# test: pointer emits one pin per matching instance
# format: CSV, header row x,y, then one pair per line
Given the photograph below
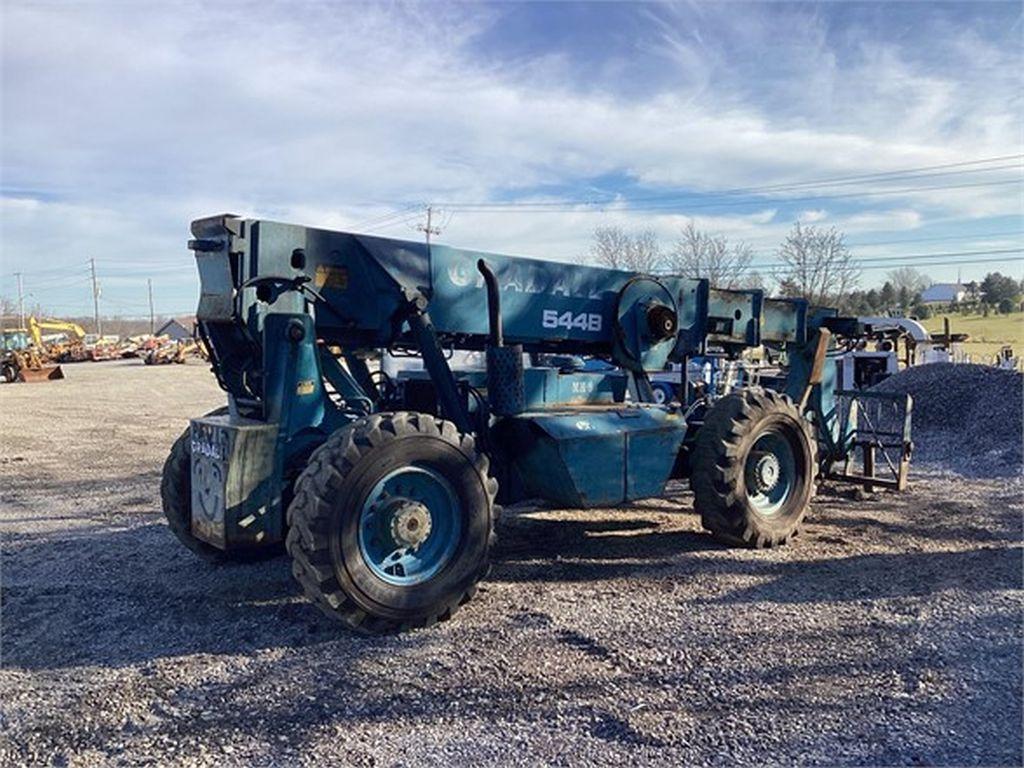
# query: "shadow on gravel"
x,y
113,597
45,484
537,549
120,596
532,549
1003,527
880,576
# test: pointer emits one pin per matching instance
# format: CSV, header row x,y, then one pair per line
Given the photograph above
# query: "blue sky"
x,y
122,122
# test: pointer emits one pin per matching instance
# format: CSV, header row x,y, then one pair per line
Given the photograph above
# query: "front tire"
x,y
754,468
392,522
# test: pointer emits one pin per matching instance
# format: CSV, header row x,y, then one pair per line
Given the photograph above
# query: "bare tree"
x,y
638,252
699,254
909,278
609,246
817,265
753,279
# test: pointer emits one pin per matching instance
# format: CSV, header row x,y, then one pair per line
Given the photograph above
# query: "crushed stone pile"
x,y
968,418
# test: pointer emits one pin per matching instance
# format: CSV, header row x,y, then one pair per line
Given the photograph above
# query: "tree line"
x,y
812,262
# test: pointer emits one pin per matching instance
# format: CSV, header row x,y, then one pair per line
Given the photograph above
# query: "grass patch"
x,y
987,334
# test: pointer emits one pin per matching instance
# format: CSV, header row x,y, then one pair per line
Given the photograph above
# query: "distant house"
x,y
175,330
943,293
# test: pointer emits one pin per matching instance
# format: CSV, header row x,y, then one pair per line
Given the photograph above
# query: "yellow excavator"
x,y
69,350
71,330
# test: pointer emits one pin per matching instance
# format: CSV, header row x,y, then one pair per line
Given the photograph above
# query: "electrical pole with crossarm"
x,y
428,229
152,316
95,298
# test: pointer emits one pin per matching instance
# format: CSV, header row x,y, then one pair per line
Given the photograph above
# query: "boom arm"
x,y
368,293
36,327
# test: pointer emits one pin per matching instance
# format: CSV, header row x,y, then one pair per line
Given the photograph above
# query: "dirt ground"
x,y
890,632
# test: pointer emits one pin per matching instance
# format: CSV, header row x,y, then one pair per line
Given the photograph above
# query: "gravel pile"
x,y
967,418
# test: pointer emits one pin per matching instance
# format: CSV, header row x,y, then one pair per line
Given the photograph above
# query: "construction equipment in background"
x,y
14,338
919,346
36,328
171,351
27,365
29,357
65,345
1006,359
877,350
134,346
385,487
100,348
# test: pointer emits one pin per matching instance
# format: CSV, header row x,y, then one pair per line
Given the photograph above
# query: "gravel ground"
x,y
888,633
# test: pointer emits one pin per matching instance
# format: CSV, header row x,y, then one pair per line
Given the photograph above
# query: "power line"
x,y
883,176
54,285
948,254
378,220
859,244
920,173
38,271
760,191
914,260
936,263
623,205
975,236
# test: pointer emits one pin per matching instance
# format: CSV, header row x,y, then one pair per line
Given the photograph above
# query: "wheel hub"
x,y
765,472
410,523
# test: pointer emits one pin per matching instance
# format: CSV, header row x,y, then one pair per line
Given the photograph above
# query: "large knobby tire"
x,y
176,496
750,438
354,501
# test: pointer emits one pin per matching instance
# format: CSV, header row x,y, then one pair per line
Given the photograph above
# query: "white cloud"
x,y
329,115
881,221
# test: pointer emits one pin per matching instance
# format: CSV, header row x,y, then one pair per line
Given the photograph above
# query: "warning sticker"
x,y
331,277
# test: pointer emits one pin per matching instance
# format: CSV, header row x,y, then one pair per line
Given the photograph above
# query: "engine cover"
x,y
592,456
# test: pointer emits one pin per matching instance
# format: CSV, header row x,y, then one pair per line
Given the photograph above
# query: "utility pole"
x,y
428,229
152,317
21,301
95,298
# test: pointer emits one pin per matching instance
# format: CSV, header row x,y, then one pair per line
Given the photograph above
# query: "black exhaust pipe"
x,y
493,304
506,393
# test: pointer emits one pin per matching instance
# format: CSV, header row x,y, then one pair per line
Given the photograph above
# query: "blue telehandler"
x,y
385,489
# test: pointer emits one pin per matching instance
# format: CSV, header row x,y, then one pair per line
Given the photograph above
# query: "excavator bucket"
x,y
46,373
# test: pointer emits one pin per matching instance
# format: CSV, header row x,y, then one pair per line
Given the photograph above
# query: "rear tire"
x,y
754,468
358,491
176,496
